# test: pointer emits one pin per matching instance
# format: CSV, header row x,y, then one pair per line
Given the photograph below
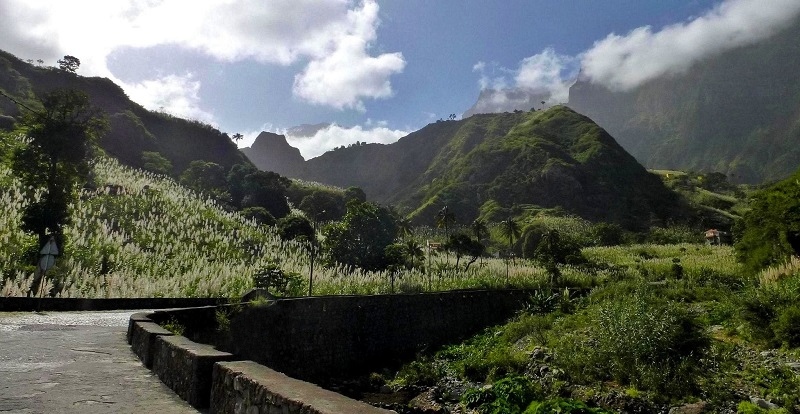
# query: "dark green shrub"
x,y
787,326
770,232
260,215
509,395
562,405
276,281
608,234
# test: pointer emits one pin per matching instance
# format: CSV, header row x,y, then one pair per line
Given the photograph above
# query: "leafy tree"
x,y
480,230
204,176
354,193
62,134
301,229
266,189
360,239
260,215
155,162
769,233
69,63
235,180
463,245
294,228
323,205
553,250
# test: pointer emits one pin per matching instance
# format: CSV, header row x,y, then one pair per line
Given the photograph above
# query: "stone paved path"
x,y
76,362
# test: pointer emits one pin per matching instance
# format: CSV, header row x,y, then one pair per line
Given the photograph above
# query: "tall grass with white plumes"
x,y
143,235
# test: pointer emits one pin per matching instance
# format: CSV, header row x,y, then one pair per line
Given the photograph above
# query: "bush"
x,y
509,395
769,233
260,215
787,326
641,340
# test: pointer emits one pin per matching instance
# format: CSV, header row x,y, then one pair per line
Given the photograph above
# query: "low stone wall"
x,y
319,339
313,339
186,366
143,339
24,304
248,387
136,317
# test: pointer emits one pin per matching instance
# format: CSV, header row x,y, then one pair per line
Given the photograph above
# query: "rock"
x,y
762,403
385,389
768,354
426,403
694,408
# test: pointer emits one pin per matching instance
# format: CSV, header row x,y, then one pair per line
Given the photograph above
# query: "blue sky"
x,y
377,69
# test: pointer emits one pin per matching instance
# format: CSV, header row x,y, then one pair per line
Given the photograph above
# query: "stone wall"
x,y
247,387
185,366
321,339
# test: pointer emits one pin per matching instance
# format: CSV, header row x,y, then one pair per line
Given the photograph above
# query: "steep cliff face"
x,y
737,113
271,152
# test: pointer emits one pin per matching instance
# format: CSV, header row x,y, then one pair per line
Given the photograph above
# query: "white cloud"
x,y
331,36
624,62
547,72
493,80
347,73
336,136
173,94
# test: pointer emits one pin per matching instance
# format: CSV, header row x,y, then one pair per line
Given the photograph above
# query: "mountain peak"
x,y
272,152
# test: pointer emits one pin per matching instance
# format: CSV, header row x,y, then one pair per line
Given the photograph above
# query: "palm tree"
x,y
480,231
510,229
414,251
445,218
404,227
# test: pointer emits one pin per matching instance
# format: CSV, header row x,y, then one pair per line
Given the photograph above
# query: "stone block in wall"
x,y
248,387
136,317
143,339
186,367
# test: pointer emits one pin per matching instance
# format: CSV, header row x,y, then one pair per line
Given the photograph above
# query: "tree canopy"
x,y
62,135
361,237
770,232
69,63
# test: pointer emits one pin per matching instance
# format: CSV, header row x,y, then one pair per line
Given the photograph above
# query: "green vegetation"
x,y
630,310
769,233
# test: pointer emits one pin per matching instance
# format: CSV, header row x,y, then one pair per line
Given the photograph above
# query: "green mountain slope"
x,y
737,113
553,158
133,129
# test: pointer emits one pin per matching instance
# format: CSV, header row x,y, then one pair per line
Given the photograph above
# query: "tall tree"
x,y
360,239
69,63
480,230
509,228
414,251
404,227
445,219
62,135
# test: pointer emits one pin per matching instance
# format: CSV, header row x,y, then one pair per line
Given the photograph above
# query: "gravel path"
x,y
76,362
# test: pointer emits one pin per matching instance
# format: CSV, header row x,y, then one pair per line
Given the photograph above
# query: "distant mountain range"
x,y
737,113
133,129
485,165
